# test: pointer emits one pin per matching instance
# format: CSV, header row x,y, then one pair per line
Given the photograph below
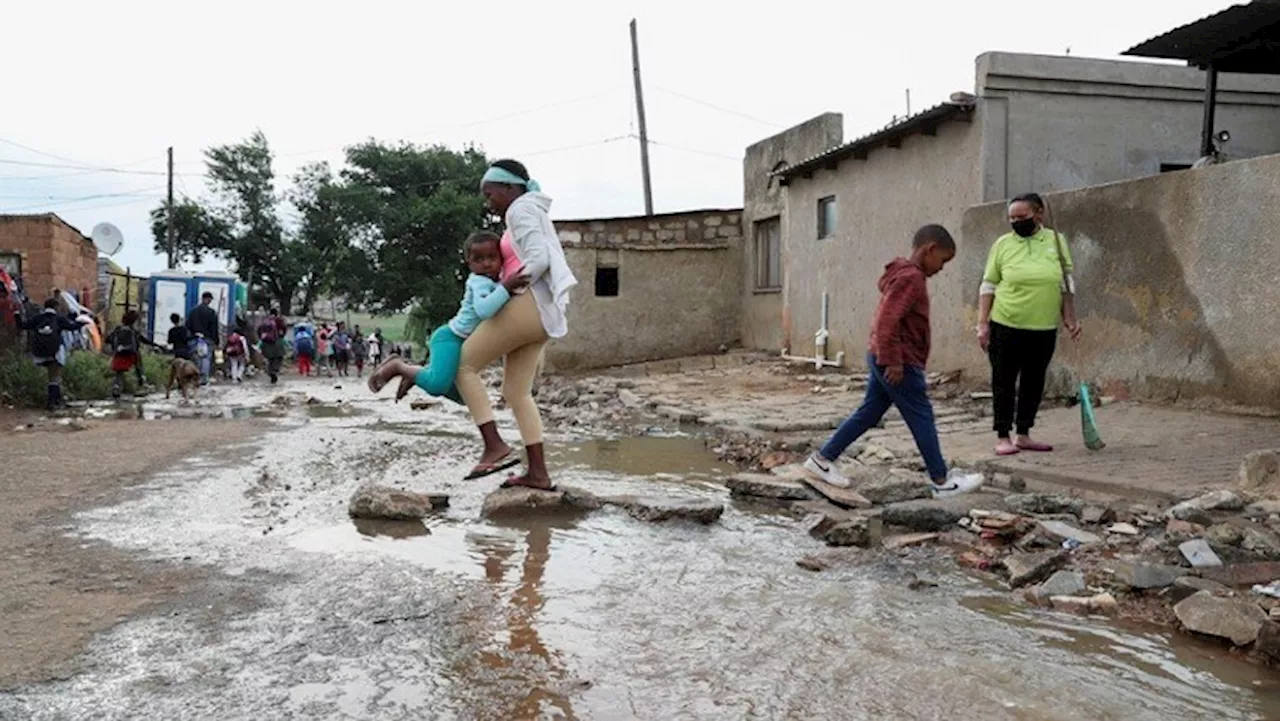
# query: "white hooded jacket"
x,y
538,247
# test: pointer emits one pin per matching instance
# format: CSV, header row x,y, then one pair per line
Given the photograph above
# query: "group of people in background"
x,y
334,350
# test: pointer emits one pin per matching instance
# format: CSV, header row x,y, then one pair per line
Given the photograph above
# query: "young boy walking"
x,y
897,356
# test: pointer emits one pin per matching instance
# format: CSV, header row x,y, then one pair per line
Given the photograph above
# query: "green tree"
x,y
409,209
322,245
243,183
196,231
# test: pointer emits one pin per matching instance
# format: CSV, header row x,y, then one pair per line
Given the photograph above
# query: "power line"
x,y
62,206
122,171
579,146
708,153
144,191
722,109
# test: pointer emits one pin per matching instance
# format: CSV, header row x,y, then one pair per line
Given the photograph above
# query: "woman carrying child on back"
x,y
483,298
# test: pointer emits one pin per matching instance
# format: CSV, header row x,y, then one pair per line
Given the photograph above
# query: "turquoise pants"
x,y
436,377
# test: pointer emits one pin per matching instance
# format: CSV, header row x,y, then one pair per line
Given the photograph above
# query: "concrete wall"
x,y
679,288
881,202
1055,123
54,255
1177,279
763,322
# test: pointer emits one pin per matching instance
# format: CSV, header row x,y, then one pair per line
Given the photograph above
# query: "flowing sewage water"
x,y
583,616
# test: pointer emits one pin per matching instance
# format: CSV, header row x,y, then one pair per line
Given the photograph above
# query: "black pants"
x,y
1019,360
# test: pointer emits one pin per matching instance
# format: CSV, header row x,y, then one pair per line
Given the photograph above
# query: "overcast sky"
x,y
112,84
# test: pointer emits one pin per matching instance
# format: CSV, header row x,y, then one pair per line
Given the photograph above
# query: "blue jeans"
x,y
436,378
912,399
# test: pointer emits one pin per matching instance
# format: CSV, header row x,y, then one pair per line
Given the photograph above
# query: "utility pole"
x,y
908,102
168,233
644,130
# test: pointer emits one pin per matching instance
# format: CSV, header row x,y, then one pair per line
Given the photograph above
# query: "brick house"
x,y
48,253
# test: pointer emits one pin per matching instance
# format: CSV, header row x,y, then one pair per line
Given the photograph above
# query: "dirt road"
x,y
56,591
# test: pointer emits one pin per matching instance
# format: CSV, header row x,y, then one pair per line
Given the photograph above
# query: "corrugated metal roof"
x,y
1240,39
924,122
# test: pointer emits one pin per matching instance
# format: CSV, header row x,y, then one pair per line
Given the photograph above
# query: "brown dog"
x,y
185,374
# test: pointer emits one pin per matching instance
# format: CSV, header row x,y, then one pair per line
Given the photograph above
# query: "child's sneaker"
x,y
958,483
824,470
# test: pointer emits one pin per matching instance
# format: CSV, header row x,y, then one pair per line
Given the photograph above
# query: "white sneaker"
x,y
958,483
825,471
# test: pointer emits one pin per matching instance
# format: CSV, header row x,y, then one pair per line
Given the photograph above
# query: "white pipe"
x,y
819,359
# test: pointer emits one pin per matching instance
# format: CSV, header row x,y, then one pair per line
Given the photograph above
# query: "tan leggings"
x,y
516,332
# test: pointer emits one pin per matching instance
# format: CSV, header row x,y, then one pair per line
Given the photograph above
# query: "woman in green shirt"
x,y
1027,291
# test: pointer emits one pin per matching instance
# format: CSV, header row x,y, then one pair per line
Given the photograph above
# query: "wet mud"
x,y
295,611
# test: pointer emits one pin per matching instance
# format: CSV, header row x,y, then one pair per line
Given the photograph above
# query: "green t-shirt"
x,y
1028,280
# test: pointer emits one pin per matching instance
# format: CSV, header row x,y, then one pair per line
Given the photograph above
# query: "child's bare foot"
x,y
406,383
385,372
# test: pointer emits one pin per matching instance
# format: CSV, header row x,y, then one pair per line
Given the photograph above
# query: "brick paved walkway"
x,y
1153,453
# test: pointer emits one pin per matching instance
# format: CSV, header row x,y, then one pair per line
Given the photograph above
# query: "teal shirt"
x,y
482,300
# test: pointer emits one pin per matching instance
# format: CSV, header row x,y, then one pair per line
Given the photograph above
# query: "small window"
x,y
606,282
768,254
826,217
1174,167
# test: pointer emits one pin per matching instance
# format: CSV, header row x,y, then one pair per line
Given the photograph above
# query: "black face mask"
x,y
1025,227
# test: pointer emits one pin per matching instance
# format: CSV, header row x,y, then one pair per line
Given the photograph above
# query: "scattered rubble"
x,y
1141,576
760,485
1061,583
1236,619
1198,554
1026,568
1103,604
393,504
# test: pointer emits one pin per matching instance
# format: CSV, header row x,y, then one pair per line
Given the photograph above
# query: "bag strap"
x,y
1062,256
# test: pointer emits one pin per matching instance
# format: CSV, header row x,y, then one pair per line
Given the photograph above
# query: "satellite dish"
x,y
107,238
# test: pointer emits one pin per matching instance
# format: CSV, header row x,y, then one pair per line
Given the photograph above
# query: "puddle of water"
x,y
390,529
674,620
667,458
340,410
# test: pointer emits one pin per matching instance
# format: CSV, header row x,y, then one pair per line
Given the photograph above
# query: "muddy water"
x,y
594,616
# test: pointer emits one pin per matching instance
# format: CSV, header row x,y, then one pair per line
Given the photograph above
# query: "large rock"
x,y
520,501
1244,574
656,509
893,488
393,504
1236,619
1178,530
1224,535
1097,515
1036,503
763,485
861,532
1260,472
1142,576
1268,643
1027,568
1198,554
930,515
1190,585
1059,531
1061,583
1261,543
1221,500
